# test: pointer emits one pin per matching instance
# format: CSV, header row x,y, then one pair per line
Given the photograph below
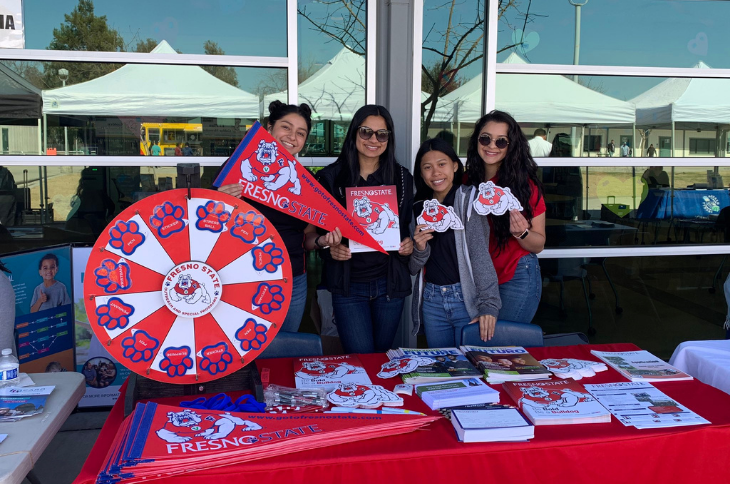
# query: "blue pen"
x,y
382,411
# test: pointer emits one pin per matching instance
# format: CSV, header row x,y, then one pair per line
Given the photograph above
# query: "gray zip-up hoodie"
x,y
479,284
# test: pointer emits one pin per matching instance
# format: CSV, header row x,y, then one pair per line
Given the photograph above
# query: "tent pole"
x,y
672,142
633,135
45,134
40,137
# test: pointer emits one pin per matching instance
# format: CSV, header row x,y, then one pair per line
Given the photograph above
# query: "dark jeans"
x,y
367,319
521,295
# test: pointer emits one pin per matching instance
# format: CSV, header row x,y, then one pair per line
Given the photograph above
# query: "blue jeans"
x,y
444,314
367,319
296,307
521,295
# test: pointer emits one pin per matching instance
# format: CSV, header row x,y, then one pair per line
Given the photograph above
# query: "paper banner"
x,y
273,177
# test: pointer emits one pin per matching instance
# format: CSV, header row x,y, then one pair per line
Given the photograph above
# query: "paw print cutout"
x,y
114,314
248,226
177,361
140,346
167,219
112,276
252,335
215,358
267,258
268,298
125,236
212,216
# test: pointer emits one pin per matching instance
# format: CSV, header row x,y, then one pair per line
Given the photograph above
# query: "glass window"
x,y
654,302
619,32
634,206
698,146
233,27
332,71
453,36
124,110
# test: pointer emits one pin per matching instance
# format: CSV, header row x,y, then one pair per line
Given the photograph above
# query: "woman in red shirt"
x,y
498,151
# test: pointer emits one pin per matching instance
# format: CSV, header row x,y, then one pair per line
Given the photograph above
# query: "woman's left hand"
x,y
517,223
406,246
486,326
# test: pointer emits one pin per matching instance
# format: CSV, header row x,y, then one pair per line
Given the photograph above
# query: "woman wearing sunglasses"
x,y
368,288
457,284
498,151
289,125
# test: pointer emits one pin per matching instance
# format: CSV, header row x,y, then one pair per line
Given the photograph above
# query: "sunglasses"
x,y
366,133
486,140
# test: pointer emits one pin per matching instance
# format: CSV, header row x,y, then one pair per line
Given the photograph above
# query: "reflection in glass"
x,y
630,206
135,109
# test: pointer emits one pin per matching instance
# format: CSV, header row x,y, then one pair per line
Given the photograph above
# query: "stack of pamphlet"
x,y
491,424
454,393
556,402
329,372
158,441
506,363
641,405
641,366
439,364
17,403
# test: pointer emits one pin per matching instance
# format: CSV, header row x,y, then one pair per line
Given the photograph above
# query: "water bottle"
x,y
8,369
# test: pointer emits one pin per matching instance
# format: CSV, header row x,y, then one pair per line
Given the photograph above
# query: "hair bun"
x,y
305,109
275,106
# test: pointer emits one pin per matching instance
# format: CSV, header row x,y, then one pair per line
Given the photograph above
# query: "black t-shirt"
x,y
442,266
369,266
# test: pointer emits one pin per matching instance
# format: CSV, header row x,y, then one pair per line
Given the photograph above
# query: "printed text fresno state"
x,y
273,198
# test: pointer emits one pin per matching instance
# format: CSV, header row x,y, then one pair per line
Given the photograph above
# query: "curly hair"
x,y
516,172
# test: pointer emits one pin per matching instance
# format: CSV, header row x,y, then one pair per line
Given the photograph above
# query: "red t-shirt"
x,y
505,261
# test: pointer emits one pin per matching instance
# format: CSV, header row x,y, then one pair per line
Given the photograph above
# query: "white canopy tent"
x,y
153,90
536,98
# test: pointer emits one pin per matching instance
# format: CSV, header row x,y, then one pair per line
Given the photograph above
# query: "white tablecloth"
x,y
708,361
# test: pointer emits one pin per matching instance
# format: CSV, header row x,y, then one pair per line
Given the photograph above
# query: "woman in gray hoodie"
x,y
456,283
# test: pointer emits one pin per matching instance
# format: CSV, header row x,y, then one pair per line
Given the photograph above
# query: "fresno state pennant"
x,y
273,177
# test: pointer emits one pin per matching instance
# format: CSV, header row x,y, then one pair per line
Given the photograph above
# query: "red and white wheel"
x,y
185,291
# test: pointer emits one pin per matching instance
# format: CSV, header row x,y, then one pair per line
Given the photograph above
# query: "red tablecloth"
x,y
590,453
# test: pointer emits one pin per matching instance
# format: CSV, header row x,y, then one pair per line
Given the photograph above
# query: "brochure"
x,y
376,210
641,366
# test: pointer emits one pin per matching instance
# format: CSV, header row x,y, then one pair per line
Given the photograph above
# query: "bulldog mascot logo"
x,y
375,217
275,171
439,217
312,370
366,396
495,200
185,425
542,399
402,365
189,290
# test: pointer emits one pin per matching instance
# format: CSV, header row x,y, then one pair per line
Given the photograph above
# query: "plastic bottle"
x,y
8,369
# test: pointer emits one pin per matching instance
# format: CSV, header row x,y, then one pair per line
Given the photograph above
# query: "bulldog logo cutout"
x,y
495,200
185,425
439,217
402,365
275,171
375,217
366,396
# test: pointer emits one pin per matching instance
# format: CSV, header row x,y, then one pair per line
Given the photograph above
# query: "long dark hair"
x,y
278,110
349,154
423,191
516,171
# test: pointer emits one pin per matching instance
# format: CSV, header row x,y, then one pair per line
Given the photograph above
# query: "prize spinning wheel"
x,y
187,290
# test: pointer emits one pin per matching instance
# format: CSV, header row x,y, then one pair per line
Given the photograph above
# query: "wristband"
x,y
522,235
316,242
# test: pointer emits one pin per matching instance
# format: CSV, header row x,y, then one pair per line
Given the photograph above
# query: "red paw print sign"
x,y
187,290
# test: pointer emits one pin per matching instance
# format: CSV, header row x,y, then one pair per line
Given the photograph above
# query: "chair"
x,y
506,333
563,270
293,345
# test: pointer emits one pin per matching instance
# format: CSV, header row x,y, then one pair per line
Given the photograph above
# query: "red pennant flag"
x,y
273,177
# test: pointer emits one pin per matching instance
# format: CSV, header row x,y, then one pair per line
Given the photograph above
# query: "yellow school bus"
x,y
167,135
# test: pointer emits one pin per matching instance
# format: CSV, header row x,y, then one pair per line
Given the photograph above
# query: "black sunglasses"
x,y
486,140
381,135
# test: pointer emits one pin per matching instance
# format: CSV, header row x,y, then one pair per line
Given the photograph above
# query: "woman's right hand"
x,y
422,235
234,189
340,252
333,238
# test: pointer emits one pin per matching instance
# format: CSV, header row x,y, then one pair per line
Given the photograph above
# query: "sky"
x,y
669,33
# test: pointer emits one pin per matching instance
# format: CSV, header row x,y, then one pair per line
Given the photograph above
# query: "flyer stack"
x,y
506,363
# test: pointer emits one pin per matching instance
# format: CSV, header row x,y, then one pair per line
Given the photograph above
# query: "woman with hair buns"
x,y
289,125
